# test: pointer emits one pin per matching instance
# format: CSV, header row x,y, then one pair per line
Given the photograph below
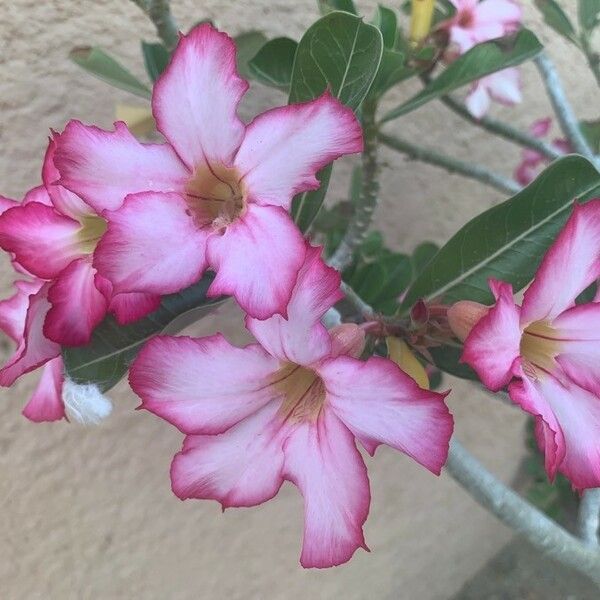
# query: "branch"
x,y
361,220
361,306
159,12
521,516
501,129
564,113
588,518
452,165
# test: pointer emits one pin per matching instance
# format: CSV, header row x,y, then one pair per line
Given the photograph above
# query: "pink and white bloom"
x,y
217,194
532,162
52,235
290,408
547,351
475,22
503,87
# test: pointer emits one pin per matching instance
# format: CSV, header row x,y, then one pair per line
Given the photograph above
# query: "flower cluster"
x,y
118,223
475,22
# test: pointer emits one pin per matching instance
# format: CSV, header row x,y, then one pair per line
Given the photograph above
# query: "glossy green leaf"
x,y
447,358
274,62
507,241
422,255
98,63
340,53
588,12
386,21
327,6
556,18
591,131
481,60
247,45
105,360
156,59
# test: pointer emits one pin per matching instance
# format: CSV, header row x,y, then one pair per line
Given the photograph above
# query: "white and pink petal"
x,y
46,402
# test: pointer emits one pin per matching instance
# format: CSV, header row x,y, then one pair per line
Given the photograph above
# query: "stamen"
x,y
303,390
540,345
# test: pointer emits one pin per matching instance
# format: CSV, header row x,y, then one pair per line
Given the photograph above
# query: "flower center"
x,y
215,196
465,19
539,346
304,393
92,229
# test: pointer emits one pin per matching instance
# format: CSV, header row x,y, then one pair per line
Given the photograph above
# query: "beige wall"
x,y
89,513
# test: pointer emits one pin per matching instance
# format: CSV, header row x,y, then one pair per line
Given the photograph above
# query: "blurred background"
x,y
88,513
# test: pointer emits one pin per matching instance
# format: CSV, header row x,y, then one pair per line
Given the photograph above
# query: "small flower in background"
x,y
476,22
503,87
548,350
290,408
217,194
532,162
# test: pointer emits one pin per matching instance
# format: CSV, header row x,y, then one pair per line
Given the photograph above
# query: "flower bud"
x,y
419,313
401,354
464,315
347,339
85,404
420,19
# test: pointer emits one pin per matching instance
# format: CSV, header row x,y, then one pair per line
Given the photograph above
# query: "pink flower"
x,y
547,351
475,22
503,86
532,162
217,193
290,408
52,235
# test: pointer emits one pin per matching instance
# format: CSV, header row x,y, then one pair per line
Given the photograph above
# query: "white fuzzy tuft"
x,y
85,404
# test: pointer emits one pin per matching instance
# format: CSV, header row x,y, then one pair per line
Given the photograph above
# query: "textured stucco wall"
x,y
89,513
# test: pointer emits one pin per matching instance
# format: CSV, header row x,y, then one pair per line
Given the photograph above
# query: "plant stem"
x,y
159,12
363,215
450,164
593,58
588,518
363,308
564,113
521,516
501,129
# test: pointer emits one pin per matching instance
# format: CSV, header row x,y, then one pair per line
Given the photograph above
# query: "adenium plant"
x,y
351,338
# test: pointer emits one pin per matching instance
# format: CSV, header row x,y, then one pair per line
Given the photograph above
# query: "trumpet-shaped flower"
x,y
533,162
503,87
290,407
475,22
52,235
548,350
217,193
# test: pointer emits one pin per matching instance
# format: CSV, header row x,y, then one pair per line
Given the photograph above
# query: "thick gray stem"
x,y
588,518
521,516
363,215
452,165
564,112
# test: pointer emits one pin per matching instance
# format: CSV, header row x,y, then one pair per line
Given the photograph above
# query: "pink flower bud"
x,y
464,315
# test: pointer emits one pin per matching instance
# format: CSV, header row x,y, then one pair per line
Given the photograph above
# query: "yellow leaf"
x,y
420,19
401,354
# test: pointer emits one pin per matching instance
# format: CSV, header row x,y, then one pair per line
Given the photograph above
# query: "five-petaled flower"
x,y
290,408
475,22
548,350
217,193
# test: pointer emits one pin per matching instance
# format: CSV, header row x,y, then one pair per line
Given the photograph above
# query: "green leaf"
x,y
248,44
101,65
113,347
591,132
422,255
156,59
447,359
589,14
478,62
327,6
340,53
556,18
507,241
386,21
274,62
